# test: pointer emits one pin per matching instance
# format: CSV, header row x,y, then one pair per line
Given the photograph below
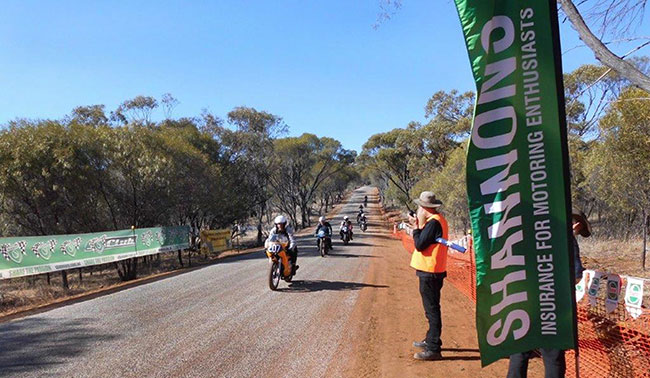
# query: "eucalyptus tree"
x,y
251,144
300,166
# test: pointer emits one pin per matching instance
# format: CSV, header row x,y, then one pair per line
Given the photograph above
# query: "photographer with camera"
x,y
430,263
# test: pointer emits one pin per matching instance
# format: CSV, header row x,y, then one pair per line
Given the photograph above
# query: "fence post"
x,y
645,237
472,270
64,280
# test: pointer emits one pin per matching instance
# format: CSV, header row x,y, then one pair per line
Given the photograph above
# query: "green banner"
x,y
43,254
517,178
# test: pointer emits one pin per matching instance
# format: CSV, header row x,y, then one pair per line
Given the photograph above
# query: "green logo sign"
x,y
634,297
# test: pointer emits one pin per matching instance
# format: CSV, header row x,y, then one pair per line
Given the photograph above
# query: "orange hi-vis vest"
x,y
434,258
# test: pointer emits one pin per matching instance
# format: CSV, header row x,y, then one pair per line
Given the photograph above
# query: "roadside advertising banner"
x,y
517,178
24,256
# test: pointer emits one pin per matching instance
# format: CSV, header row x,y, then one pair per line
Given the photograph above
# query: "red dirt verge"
x,y
384,324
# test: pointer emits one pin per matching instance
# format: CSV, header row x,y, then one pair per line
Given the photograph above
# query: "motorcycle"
x,y
360,215
363,223
281,266
323,242
346,234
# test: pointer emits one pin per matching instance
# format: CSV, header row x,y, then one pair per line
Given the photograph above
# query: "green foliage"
x,y
453,111
87,174
398,160
251,120
609,147
588,91
449,186
92,115
617,171
609,140
394,157
300,167
136,110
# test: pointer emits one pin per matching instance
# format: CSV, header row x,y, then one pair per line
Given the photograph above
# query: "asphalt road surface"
x,y
220,320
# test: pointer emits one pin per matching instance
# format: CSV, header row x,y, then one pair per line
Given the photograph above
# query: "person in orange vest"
x,y
430,263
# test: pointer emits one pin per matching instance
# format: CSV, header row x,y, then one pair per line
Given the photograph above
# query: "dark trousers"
x,y
327,239
341,233
554,364
430,286
293,254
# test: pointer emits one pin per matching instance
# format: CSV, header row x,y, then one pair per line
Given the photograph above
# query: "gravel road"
x,y
220,320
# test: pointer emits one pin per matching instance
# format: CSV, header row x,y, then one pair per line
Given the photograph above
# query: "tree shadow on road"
x,y
38,343
351,255
303,286
356,244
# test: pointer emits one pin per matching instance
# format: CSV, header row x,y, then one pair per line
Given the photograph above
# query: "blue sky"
x,y
318,64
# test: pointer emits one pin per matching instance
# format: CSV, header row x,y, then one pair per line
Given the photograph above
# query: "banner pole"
x,y
559,78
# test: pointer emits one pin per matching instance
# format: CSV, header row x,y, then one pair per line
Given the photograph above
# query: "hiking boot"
x,y
428,355
420,344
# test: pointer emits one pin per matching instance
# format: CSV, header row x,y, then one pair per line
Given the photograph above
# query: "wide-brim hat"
x,y
579,216
428,199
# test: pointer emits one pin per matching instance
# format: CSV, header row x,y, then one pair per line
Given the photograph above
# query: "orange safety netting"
x,y
610,344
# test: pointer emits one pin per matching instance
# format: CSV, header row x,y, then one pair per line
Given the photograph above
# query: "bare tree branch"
x,y
602,53
622,40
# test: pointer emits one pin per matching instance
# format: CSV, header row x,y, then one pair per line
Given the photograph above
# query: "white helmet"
x,y
280,219
346,217
321,219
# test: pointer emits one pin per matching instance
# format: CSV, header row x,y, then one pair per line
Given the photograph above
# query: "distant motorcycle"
x,y
346,234
281,267
363,223
360,214
324,241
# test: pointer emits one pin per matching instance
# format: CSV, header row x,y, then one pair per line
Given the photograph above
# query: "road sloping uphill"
x,y
220,320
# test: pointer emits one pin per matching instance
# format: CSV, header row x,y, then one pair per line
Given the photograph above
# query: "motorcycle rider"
x,y
281,227
324,225
348,223
362,219
361,213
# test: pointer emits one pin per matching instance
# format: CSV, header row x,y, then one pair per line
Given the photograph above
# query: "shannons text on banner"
x,y
517,178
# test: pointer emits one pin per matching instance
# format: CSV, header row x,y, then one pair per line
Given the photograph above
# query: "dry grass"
x,y
24,293
614,256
